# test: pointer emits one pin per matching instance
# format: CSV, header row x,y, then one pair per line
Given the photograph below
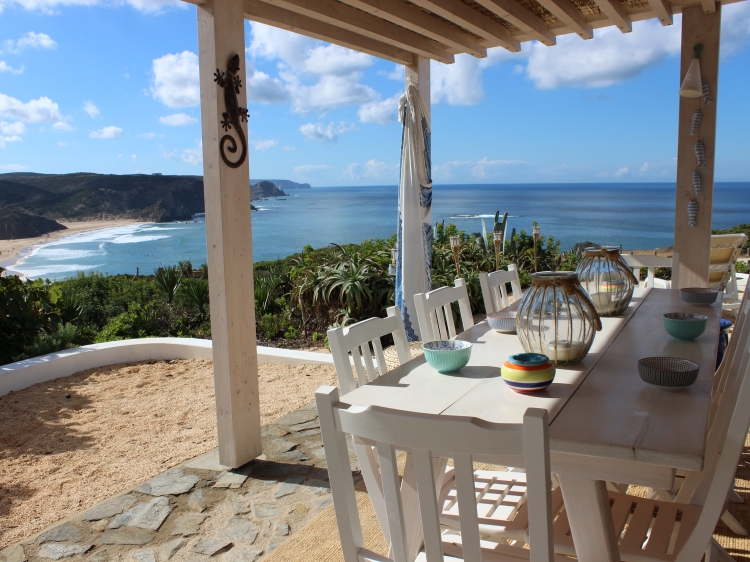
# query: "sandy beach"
x,y
12,250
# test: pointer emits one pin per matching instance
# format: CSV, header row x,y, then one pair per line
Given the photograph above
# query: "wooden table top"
x,y
599,407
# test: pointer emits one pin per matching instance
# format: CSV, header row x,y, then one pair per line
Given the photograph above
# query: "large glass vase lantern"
x,y
608,280
557,318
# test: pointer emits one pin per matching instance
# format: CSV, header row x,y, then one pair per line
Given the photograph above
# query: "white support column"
x,y
693,242
221,35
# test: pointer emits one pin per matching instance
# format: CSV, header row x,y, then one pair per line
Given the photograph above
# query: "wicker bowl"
x,y
502,321
699,295
668,372
685,325
447,356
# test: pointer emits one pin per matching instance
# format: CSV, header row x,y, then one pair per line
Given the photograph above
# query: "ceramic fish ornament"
x,y
692,212
706,93
696,121
700,153
697,183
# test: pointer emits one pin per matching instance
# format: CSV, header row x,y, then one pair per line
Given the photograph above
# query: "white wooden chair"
x,y
353,348
636,262
682,530
426,436
434,312
494,290
355,345
725,249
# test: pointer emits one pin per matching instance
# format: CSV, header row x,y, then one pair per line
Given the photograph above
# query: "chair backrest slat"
x,y
494,293
353,346
651,263
426,437
434,312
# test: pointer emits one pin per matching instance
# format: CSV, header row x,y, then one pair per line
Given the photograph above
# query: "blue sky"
x,y
111,86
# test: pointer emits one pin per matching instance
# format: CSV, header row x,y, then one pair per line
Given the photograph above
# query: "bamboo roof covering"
x,y
401,30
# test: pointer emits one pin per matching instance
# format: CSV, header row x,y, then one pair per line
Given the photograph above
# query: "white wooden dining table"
x,y
606,424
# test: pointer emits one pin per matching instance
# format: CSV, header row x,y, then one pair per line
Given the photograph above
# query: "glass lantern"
x,y
557,318
607,279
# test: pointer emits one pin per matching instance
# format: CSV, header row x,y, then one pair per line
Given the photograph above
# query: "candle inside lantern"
x,y
564,351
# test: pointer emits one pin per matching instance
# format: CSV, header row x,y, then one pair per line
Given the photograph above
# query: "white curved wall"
x,y
22,374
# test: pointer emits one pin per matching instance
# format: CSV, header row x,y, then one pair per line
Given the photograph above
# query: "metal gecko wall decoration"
x,y
234,113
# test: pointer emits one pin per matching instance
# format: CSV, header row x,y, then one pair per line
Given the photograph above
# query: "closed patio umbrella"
x,y
414,233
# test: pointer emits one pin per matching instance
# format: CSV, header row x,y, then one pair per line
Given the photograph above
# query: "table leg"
x,y
590,517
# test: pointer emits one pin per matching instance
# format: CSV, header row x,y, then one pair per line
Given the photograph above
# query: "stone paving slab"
x,y
182,516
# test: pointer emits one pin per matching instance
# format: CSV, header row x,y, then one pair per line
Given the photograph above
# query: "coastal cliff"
x,y
87,196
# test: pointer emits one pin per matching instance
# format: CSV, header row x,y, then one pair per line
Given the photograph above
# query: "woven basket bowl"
x,y
447,356
668,372
503,321
699,295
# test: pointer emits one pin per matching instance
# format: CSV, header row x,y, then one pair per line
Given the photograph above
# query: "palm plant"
x,y
168,279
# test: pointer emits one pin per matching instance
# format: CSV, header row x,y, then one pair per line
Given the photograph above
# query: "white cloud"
x,y
13,167
288,148
5,140
396,74
16,128
330,92
264,145
175,80
29,41
50,6
177,120
735,28
261,88
332,59
374,170
5,67
644,168
306,168
35,111
381,111
622,171
324,133
461,82
106,133
91,109
63,126
193,156
478,169
134,157
146,135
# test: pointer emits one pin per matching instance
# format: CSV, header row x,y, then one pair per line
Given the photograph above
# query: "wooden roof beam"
x,y
709,6
362,23
571,16
459,13
261,12
663,10
420,22
515,13
615,11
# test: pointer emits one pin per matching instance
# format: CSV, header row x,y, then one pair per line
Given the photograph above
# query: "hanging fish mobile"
x,y
700,153
692,213
697,183
706,92
696,121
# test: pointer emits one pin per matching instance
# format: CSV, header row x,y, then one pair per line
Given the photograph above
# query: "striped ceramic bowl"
x,y
447,356
528,376
699,295
503,321
668,372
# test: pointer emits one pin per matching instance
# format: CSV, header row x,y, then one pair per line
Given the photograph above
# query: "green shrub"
x,y
62,338
270,326
197,296
740,266
168,280
317,336
291,333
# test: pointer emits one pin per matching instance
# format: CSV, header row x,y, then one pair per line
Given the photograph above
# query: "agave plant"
x,y
197,295
71,306
168,279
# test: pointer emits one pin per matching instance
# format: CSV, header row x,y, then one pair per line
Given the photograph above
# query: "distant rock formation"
x,y
264,189
285,184
84,196
17,224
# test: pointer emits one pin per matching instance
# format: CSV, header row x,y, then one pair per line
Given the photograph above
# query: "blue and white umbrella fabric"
x,y
414,261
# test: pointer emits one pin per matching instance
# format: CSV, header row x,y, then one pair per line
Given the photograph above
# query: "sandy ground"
x,y
71,442
9,249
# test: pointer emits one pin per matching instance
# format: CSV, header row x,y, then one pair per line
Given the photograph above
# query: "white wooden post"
x,y
221,35
692,243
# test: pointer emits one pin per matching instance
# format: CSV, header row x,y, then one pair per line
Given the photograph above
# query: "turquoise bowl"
x,y
447,356
685,325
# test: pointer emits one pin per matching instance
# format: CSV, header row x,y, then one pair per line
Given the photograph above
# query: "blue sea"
x,y
636,216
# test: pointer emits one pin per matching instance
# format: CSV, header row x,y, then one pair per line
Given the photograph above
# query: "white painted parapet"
x,y
22,374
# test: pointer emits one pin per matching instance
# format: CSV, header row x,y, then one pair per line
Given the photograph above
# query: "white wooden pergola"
x,y
411,33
